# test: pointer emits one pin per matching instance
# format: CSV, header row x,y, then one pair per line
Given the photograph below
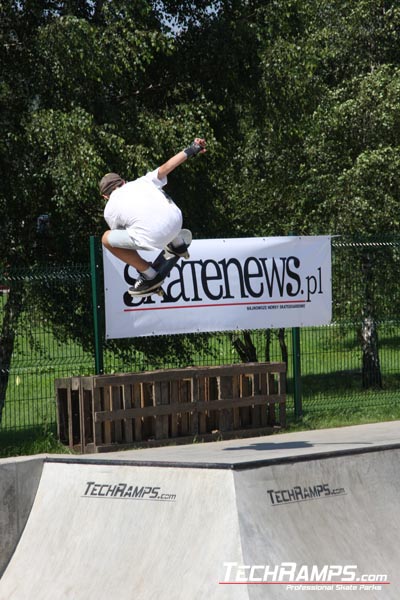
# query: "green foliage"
x,y
299,101
353,156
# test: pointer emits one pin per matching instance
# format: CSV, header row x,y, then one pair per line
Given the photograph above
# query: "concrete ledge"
x,y
19,480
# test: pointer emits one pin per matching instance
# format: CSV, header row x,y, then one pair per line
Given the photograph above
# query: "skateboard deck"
x,y
165,261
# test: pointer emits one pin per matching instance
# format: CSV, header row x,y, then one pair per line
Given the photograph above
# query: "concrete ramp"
x,y
293,516
104,532
332,526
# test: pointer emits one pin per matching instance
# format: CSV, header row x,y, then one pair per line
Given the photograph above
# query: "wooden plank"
x,y
188,372
202,396
255,410
145,412
166,400
98,406
115,391
238,402
270,381
260,411
174,399
62,382
81,416
127,423
236,394
70,419
62,413
161,398
87,395
157,401
107,432
262,389
282,406
225,414
136,399
186,407
86,392
184,413
147,389
213,421
76,416
194,398
244,392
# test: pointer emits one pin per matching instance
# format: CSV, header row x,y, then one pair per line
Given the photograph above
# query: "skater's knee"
x,y
104,239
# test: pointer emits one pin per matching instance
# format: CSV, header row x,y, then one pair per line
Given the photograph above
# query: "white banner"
x,y
225,285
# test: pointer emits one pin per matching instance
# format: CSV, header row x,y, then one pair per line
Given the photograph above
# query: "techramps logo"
x,y
299,578
303,493
126,491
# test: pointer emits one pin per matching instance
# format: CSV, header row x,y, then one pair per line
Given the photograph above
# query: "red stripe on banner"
x,y
316,583
134,309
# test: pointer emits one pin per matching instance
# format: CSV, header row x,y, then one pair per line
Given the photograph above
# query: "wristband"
x,y
193,150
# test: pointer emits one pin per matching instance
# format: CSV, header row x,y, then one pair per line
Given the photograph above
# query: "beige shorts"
x,y
120,238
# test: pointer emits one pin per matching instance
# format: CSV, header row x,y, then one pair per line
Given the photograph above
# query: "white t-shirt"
x,y
141,207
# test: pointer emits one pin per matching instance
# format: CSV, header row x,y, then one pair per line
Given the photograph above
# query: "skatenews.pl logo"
x,y
297,578
125,491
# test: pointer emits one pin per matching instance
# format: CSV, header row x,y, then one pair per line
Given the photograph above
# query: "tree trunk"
x,y
9,322
245,348
371,368
268,345
282,344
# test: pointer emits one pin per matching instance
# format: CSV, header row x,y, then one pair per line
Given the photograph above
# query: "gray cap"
x,y
109,183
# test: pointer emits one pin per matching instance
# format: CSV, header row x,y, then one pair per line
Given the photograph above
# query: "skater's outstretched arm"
x,y
198,146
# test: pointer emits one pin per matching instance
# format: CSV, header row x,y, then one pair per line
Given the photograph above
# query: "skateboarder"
x,y
141,216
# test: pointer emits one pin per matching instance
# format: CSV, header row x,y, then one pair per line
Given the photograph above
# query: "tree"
x,y
85,90
298,100
310,124
353,184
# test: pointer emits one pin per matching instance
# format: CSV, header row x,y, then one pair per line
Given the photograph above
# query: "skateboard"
x,y
165,261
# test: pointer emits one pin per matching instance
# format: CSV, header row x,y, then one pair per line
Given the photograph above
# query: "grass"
x,y
26,443
45,442
346,418
331,380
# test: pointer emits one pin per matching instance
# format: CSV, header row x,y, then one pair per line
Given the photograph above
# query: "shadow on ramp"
x,y
263,446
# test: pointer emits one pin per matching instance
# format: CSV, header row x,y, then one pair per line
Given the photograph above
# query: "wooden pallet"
x,y
105,412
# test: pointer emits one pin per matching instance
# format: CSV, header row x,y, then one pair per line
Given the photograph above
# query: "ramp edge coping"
x,y
233,466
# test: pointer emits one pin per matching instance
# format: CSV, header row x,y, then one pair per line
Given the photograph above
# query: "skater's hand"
x,y
201,142
198,147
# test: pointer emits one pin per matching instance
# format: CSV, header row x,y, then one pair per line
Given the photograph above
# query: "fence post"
x,y
98,309
296,354
296,362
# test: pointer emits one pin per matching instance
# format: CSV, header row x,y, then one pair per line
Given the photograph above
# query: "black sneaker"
x,y
180,250
143,285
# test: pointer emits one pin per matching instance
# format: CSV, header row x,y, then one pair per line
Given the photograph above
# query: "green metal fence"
x,y
46,332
